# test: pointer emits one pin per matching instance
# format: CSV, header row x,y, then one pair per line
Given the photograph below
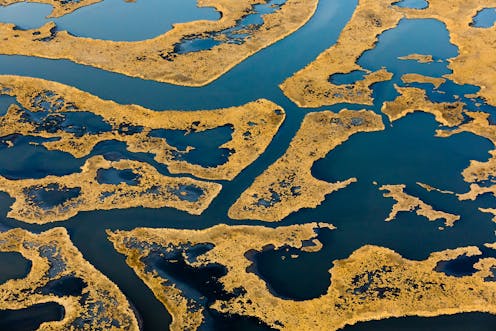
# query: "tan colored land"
x,y
430,188
476,190
288,185
253,125
373,283
60,7
155,59
481,171
420,58
412,99
310,87
152,190
416,78
139,243
409,203
100,306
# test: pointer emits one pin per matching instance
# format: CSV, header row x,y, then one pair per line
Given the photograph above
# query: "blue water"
x,y
349,78
204,145
425,36
463,265
414,4
401,154
15,320
5,102
77,123
111,19
116,176
64,286
51,195
234,35
33,160
13,266
404,153
486,18
309,271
